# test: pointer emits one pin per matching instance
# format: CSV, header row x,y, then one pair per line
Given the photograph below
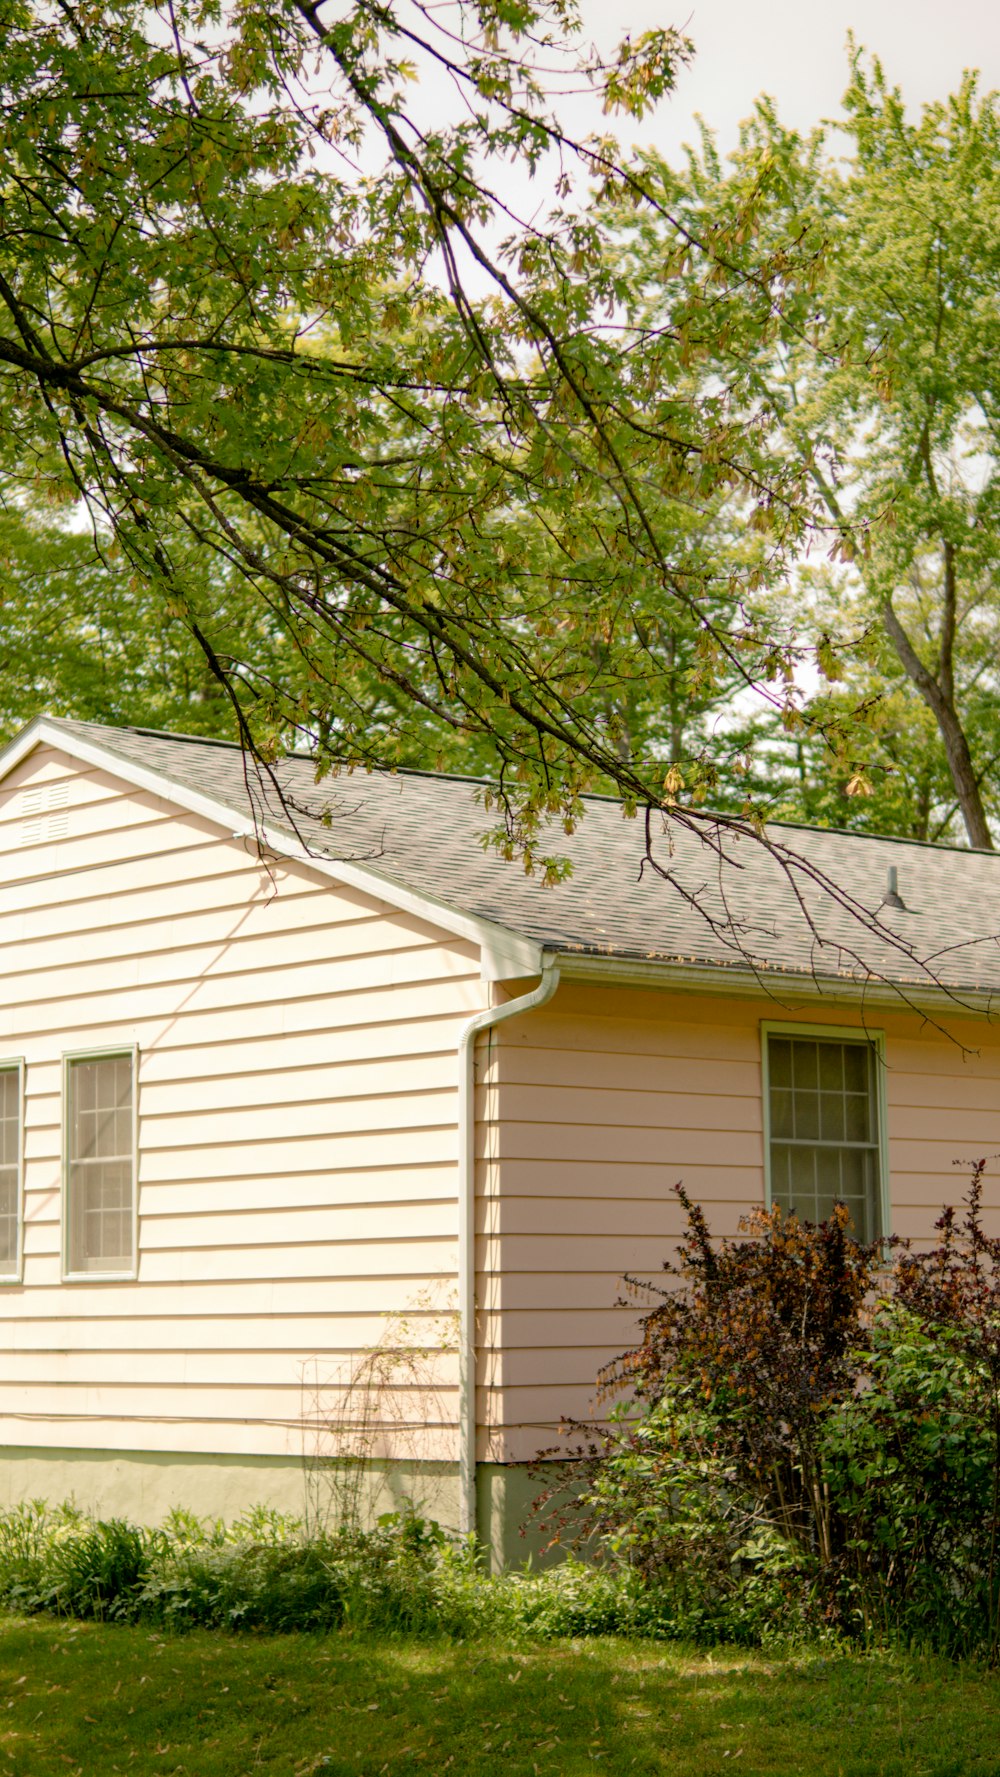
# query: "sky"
x,y
795,50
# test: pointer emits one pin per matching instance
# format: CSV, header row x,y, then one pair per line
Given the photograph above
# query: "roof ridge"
x,y
459,777
202,740
211,740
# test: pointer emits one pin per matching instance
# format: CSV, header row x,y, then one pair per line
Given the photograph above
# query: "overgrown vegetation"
x,y
810,1449
268,1572
812,1436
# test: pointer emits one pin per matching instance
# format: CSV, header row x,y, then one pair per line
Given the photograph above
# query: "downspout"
x,y
467,1229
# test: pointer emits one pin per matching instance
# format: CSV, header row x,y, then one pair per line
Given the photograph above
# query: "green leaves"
x,y
645,69
854,329
535,509
421,497
811,1428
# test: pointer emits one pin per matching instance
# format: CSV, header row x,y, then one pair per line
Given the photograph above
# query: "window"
x,y
824,1126
100,1163
11,1096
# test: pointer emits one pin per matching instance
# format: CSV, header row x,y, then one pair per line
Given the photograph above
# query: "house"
x,y
286,1063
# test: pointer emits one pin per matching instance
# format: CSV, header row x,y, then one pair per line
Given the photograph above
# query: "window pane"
x,y
805,1066
806,1116
857,1117
8,1220
780,1177
802,1183
781,1112
10,1117
829,1185
104,1198
10,1168
859,1191
85,1074
796,1192
856,1067
101,1171
779,1061
831,1067
831,1117
824,1135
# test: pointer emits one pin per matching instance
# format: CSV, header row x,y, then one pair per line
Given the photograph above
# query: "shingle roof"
x,y
424,833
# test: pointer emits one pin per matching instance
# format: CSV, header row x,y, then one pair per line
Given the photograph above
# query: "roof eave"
x,y
781,987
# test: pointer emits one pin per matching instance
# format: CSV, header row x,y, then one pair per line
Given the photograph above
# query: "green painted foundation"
x,y
146,1486
505,1493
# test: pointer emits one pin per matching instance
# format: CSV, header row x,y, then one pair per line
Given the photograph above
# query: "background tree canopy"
x,y
879,383
369,462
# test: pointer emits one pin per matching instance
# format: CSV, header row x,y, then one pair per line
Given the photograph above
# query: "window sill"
x,y
100,1276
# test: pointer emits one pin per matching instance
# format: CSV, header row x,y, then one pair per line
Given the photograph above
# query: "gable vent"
x,y
46,816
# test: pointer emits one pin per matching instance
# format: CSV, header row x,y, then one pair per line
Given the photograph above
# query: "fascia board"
x,y
36,733
505,955
782,988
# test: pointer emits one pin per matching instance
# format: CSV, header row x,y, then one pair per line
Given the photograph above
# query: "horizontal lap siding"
x,y
297,1129
591,1109
944,1107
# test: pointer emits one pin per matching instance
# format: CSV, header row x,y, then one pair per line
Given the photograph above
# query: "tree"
x,y
396,477
457,483
878,380
81,635
897,778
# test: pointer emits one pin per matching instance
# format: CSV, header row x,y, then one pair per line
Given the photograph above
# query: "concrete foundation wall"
x,y
145,1487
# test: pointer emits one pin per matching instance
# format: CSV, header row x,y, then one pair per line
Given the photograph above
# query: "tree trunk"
x,y
938,695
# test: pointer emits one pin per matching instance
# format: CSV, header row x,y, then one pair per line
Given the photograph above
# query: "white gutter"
x,y
787,989
467,1229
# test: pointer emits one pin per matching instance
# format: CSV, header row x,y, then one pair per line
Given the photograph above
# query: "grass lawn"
x,y
90,1700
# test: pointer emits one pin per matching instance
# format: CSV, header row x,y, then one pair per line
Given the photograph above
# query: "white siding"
x,y
297,1099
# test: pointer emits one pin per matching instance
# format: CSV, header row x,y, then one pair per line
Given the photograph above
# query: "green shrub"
x,y
812,1437
763,1332
63,1561
250,1587
403,1578
265,1573
909,1461
27,1534
667,1501
262,1572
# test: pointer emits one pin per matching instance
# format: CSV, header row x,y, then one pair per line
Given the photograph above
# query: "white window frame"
x,y
834,1033
110,1053
8,1064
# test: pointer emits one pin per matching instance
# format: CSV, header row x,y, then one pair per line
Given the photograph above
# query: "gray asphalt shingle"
x,y
424,832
